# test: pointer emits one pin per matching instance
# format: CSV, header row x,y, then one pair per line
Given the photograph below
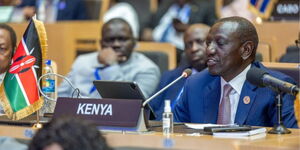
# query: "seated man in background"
x,y
8,40
194,41
172,19
115,61
68,133
221,94
54,10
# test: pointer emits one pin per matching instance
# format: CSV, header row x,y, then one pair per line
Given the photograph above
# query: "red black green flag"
x,y
19,93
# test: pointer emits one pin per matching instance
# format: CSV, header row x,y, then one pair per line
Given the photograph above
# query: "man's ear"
x,y
247,49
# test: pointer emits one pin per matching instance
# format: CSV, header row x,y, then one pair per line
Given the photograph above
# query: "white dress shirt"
x,y
237,85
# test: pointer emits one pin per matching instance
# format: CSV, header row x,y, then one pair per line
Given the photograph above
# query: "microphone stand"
x,y
163,89
279,128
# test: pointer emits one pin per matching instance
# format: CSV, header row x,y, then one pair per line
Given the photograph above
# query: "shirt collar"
x,y
237,82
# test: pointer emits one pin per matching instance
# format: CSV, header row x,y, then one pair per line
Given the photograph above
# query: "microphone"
x,y
185,74
261,78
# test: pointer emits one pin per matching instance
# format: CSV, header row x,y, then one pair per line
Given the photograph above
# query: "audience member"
x,y
125,11
231,8
54,10
68,133
173,18
115,61
292,55
231,47
8,40
194,41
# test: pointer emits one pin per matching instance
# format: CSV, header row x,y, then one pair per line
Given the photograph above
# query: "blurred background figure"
x,y
54,10
229,8
125,11
195,59
68,133
173,17
8,42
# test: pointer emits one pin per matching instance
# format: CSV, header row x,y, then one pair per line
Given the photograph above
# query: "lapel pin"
x,y
246,100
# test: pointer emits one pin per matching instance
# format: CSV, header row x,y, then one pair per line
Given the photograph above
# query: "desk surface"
x,y
181,141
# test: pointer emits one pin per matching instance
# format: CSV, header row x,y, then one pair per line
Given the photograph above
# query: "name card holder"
x,y
108,114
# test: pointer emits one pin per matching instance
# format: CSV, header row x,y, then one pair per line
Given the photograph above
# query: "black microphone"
x,y
185,74
261,78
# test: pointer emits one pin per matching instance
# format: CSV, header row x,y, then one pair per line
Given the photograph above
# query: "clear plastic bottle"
x,y
167,119
48,88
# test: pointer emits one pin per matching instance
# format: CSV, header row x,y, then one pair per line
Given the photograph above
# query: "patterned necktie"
x,y
224,115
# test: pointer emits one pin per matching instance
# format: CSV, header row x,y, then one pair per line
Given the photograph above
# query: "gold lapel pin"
x,y
246,100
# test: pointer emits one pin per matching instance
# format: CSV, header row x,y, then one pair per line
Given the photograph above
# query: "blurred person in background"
x,y
116,61
68,133
54,10
194,41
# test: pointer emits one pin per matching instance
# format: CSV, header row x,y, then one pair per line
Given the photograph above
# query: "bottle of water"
x,y
167,119
48,88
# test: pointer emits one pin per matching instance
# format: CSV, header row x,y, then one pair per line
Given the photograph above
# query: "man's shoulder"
x,y
141,60
172,74
202,78
87,56
275,73
86,59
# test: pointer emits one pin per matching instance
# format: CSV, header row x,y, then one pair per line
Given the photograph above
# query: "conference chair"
x,y
265,50
166,48
159,58
291,69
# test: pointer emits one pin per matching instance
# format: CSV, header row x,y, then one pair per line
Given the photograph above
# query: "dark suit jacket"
x,y
74,10
202,12
171,93
66,9
200,101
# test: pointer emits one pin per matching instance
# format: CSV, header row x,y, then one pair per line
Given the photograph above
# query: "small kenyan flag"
x,y
19,93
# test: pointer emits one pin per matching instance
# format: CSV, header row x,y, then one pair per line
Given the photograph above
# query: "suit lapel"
x,y
211,101
244,108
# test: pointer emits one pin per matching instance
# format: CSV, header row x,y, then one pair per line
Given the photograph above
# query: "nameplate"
x,y
286,10
103,112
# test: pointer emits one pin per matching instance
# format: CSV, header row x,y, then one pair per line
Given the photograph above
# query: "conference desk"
x,y
182,139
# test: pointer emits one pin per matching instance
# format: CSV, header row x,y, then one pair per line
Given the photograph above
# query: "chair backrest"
x,y
290,69
265,51
93,9
166,48
159,58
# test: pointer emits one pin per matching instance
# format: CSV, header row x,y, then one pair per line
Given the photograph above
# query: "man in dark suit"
x,y
54,10
221,93
194,41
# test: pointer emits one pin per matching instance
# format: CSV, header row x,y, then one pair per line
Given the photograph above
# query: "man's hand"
x,y
179,26
108,56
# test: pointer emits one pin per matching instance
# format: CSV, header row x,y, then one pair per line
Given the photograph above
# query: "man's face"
x,y
5,50
224,50
195,46
119,38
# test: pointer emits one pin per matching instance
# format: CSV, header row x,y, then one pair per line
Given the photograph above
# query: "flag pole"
x,y
37,125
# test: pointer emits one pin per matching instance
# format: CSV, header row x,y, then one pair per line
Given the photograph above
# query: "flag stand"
x,y
37,125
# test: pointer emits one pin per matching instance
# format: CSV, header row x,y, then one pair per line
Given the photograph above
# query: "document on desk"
x,y
254,131
201,126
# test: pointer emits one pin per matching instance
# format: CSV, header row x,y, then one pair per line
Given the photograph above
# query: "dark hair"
x,y
71,134
12,34
246,30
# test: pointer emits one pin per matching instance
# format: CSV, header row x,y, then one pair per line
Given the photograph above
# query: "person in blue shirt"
x,y
194,40
231,47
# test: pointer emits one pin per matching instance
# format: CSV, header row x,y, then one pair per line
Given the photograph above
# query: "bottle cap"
x,y
167,106
48,62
